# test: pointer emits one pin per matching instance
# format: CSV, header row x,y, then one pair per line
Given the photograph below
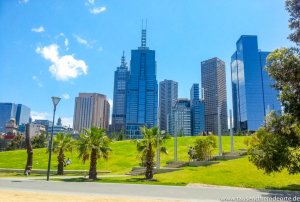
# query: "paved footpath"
x,y
192,192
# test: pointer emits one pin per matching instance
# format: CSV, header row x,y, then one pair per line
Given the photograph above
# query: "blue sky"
x,y
62,48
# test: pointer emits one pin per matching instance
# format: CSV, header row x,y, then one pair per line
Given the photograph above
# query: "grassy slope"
x,y
121,160
238,172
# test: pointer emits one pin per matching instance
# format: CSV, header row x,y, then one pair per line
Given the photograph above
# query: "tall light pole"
x,y
231,132
219,131
55,101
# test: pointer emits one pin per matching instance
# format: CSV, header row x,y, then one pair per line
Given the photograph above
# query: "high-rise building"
x,y
22,114
180,118
197,111
168,95
119,100
91,110
19,112
252,94
141,97
213,80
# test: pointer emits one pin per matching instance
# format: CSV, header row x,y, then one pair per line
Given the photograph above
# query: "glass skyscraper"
x,y
252,94
180,123
142,95
197,111
19,112
213,80
168,95
119,100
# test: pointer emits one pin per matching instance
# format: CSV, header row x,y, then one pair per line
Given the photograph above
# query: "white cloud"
x,y
66,42
38,29
23,1
91,2
40,115
65,96
64,67
82,41
97,10
49,52
36,79
67,121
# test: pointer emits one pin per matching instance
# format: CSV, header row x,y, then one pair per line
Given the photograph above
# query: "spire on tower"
x,y
123,62
144,35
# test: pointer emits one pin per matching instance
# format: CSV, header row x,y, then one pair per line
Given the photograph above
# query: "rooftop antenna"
x,y
123,62
144,35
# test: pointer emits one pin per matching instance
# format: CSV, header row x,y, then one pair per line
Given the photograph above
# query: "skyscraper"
x,y
22,114
19,112
141,97
252,94
213,80
91,110
168,94
180,123
119,100
197,111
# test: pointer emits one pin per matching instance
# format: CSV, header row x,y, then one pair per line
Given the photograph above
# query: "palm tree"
x,y
152,139
61,143
93,145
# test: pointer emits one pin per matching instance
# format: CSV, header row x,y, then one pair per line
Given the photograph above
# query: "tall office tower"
x,y
22,114
141,97
91,110
168,95
19,112
213,79
252,94
180,123
197,111
119,101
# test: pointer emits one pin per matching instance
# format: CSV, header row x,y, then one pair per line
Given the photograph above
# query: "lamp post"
x,y
55,101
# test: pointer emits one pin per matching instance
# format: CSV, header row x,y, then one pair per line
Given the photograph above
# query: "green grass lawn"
x,y
122,159
239,172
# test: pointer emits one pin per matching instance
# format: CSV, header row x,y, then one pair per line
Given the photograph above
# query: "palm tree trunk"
x,y
93,165
149,162
28,166
61,161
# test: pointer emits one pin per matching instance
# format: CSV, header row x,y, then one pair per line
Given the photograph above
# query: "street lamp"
x,y
55,101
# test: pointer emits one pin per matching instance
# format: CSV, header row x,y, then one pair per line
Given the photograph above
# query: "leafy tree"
x,y
293,7
61,143
93,145
204,147
284,68
39,141
147,145
277,145
17,143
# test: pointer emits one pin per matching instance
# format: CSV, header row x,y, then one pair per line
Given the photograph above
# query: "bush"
x,y
204,147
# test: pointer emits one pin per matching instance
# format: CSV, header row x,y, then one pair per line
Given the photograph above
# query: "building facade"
x,y
168,95
213,80
119,99
142,90
252,94
19,112
197,111
180,118
91,110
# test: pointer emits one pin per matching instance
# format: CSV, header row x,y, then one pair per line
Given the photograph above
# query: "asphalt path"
x,y
191,192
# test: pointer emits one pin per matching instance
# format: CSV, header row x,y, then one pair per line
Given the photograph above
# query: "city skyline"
x,y
35,44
